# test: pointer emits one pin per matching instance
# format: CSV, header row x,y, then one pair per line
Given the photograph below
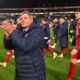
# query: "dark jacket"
x,y
73,34
28,53
46,31
73,27
56,30
63,35
46,35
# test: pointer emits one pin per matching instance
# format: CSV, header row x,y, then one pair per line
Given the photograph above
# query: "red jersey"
x,y
78,36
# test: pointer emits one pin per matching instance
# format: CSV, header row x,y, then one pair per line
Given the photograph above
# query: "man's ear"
x,y
31,17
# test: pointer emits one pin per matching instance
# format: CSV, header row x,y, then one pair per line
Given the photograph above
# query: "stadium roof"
x,y
37,3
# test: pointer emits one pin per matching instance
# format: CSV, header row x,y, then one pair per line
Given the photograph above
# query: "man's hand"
x,y
74,51
49,42
7,26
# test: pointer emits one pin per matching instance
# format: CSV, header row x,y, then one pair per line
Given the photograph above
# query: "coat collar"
x,y
33,25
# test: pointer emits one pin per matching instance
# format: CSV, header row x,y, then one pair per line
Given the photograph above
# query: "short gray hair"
x,y
25,12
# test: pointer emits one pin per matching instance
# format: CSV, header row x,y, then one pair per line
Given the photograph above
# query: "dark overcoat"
x,y
56,30
63,35
46,35
29,62
73,34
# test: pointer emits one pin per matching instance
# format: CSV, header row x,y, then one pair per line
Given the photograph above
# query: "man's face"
x,y
77,15
61,20
25,20
43,22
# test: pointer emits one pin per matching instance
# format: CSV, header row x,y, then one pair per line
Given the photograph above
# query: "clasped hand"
x,y
8,27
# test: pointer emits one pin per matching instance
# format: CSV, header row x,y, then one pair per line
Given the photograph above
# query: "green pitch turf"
x,y
56,69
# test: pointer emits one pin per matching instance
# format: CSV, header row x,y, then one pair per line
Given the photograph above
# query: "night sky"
x,y
37,3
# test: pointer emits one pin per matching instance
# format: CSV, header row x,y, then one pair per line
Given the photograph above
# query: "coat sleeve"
x,y
48,31
63,31
32,41
7,43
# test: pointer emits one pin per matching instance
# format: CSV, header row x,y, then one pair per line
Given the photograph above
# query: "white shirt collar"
x,y
25,29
